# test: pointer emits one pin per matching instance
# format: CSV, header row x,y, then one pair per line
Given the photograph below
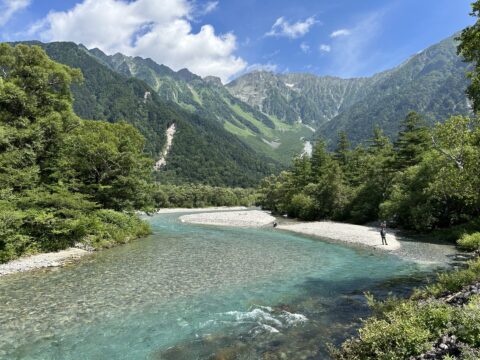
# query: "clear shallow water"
x,y
195,292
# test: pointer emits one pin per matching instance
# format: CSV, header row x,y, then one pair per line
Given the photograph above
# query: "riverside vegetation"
x,y
62,179
427,180
66,180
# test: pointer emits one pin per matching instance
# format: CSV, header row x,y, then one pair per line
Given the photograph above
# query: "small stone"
x,y
443,346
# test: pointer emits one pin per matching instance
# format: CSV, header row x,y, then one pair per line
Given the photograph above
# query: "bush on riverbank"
x,y
401,329
470,242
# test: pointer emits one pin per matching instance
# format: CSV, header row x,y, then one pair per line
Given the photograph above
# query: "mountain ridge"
x,y
420,83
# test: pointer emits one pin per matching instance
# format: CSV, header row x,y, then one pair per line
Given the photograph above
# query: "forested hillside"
x,y
209,99
202,151
431,82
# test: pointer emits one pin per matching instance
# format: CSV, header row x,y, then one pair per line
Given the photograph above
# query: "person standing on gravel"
x,y
383,232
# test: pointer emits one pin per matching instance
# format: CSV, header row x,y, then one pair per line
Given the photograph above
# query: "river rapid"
x,y
199,292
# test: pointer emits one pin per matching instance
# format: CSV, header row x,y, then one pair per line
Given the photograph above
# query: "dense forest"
x,y
427,179
195,196
63,180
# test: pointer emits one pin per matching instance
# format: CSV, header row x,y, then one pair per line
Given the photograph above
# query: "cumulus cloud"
x,y
283,27
9,7
340,32
325,48
305,47
147,28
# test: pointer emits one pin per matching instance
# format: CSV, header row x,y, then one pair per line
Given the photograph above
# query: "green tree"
x,y
35,113
343,148
106,161
469,48
43,207
412,141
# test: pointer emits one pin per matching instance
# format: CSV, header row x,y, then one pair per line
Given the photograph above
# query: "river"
x,y
198,292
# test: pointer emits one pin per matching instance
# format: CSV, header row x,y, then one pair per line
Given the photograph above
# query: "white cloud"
x,y
282,27
208,7
262,67
146,28
325,48
305,47
354,53
9,7
341,32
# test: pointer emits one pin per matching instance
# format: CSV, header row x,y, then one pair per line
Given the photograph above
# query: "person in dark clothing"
x,y
383,233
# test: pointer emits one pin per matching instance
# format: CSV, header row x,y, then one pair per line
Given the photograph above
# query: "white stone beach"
x,y
355,234
349,233
250,218
39,261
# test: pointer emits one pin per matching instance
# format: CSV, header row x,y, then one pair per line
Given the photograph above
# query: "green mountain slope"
x,y
209,99
202,151
431,82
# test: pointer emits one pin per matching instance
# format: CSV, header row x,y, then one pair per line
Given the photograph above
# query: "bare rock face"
x,y
213,80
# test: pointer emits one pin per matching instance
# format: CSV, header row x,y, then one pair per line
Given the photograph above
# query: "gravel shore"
x,y
362,235
39,261
357,234
251,218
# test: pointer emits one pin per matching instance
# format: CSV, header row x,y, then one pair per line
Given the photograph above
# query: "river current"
x,y
199,292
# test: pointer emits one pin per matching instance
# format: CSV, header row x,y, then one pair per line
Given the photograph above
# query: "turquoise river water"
x,y
198,292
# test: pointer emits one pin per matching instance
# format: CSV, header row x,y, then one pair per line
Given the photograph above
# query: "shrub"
x,y
470,242
406,330
453,281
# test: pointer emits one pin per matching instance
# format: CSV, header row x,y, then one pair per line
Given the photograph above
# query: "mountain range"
x,y
432,83
235,134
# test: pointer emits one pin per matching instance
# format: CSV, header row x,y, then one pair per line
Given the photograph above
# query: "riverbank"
x,y
439,321
342,232
41,261
355,234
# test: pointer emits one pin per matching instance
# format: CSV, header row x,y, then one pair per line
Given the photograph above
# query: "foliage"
x,y
470,242
48,155
406,330
403,328
453,281
194,196
468,48
106,161
428,179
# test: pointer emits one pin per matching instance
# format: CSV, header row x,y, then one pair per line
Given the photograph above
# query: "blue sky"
x,y
228,37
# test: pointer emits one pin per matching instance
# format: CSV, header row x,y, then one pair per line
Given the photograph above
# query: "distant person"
x,y
275,224
383,232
